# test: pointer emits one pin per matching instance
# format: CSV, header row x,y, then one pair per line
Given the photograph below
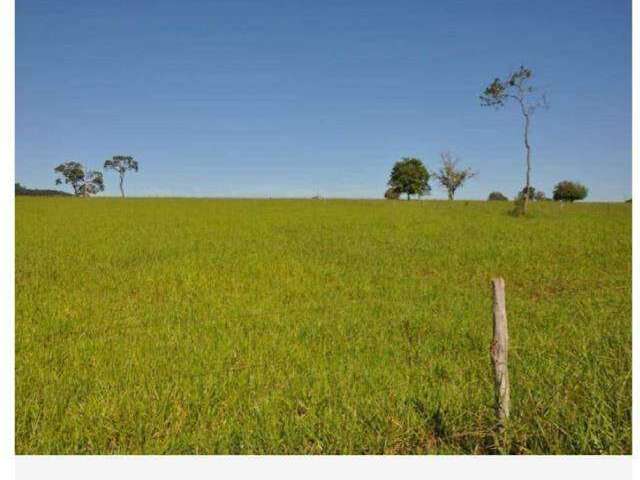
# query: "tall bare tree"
x,y
515,87
121,163
449,176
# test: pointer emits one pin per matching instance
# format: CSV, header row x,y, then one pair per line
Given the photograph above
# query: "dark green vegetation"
x,y
37,192
408,176
497,196
569,191
292,326
392,193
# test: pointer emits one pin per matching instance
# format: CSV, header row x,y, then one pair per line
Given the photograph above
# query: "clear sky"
x,y
298,97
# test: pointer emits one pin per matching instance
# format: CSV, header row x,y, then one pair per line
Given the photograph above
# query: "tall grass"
x,y
290,326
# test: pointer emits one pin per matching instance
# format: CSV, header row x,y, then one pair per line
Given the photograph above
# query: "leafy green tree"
x,y
497,196
567,191
449,176
515,87
410,176
84,183
70,173
121,164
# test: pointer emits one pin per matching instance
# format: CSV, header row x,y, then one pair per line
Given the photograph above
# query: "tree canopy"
x,y
570,191
410,176
84,183
70,173
120,164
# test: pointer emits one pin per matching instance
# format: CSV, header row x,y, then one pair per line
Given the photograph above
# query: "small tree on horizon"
x,y
70,173
515,87
568,191
84,183
449,176
497,196
121,164
410,176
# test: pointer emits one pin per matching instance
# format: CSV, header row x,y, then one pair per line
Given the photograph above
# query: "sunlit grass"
x,y
293,326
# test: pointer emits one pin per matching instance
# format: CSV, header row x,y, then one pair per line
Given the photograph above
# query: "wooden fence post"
x,y
500,351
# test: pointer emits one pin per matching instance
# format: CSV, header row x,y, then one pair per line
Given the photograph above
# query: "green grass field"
x,y
298,326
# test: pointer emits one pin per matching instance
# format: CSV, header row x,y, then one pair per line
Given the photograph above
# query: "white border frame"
x,y
7,246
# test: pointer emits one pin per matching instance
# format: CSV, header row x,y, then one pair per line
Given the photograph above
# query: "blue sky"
x,y
293,98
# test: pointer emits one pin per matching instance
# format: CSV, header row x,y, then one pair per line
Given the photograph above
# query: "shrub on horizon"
x,y
567,191
497,196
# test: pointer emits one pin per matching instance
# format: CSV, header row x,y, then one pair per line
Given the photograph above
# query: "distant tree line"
x,y
37,192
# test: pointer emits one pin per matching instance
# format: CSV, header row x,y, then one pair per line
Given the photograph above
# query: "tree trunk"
x,y
528,147
408,196
121,185
450,194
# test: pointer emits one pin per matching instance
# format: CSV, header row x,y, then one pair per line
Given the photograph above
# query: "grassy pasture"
x,y
298,326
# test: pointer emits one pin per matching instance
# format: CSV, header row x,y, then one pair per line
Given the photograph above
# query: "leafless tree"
x,y
449,176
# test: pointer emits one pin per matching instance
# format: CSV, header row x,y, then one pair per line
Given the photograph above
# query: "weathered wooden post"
x,y
500,351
